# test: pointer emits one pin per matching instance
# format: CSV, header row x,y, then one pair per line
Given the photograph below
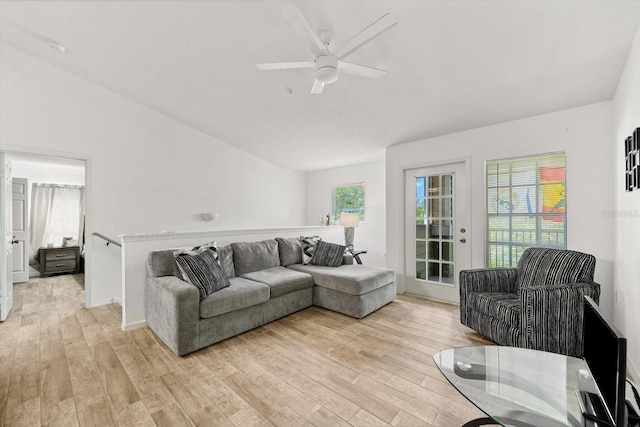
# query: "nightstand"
x,y
59,260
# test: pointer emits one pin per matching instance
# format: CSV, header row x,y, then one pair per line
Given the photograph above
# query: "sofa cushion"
x,y
544,266
351,279
290,250
201,269
308,247
162,263
242,293
504,306
254,256
281,280
225,259
328,254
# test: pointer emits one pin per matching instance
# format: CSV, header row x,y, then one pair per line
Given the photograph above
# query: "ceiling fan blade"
x,y
317,87
300,24
361,70
373,30
285,65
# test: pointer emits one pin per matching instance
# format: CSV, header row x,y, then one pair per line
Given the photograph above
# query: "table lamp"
x,y
349,221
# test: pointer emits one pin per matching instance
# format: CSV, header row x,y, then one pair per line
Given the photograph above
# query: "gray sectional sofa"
x,y
267,281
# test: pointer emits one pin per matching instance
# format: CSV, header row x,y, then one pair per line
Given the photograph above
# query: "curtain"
x,y
57,211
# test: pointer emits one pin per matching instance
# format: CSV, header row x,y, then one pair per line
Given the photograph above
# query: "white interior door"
x,y
20,220
436,231
6,238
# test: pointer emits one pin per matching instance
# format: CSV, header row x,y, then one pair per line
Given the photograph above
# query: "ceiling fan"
x,y
328,62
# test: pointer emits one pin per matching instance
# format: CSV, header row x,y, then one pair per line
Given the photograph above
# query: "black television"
x,y
605,352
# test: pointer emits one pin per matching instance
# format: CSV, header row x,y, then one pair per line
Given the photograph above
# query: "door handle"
x,y
15,242
463,240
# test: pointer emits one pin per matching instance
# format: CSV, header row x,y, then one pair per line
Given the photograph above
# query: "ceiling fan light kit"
x,y
328,62
327,69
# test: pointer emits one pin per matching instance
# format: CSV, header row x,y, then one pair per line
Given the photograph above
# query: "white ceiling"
x,y
452,66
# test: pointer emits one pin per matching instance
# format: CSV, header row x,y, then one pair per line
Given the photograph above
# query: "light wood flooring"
x,y
64,365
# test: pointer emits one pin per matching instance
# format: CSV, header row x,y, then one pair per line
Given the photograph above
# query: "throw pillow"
x,y
212,246
201,269
328,254
308,247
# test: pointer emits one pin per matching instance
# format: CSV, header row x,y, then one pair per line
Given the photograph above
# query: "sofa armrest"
x,y
172,308
552,316
483,280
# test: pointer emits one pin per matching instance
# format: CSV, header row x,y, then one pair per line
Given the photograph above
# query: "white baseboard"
x,y
105,302
134,325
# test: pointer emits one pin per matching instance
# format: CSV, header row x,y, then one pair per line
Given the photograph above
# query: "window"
x,y
526,206
349,198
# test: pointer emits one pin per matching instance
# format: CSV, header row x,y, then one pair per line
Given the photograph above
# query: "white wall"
x,y
145,171
626,211
48,173
583,133
369,235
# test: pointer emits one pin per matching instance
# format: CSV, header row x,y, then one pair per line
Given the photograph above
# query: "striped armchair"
x,y
537,305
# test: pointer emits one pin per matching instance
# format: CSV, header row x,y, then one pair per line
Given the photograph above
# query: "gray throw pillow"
x,y
328,254
308,247
290,250
201,269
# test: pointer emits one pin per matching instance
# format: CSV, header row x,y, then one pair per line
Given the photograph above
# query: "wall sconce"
x,y
208,216
349,221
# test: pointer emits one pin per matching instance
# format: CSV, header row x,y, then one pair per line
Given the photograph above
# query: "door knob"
x,y
462,230
463,240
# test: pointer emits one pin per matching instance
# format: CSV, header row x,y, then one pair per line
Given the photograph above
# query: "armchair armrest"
x,y
172,308
484,280
488,280
552,316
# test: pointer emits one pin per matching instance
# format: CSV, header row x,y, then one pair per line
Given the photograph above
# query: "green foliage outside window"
x,y
349,198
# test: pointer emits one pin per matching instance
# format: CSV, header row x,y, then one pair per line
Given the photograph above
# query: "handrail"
x,y
108,239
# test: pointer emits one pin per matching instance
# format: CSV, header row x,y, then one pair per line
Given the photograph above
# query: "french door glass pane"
x,y
421,270
434,228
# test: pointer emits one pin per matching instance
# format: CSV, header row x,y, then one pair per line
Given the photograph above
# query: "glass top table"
x,y
517,386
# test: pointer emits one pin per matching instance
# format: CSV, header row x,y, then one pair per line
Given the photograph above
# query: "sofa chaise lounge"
x,y
268,280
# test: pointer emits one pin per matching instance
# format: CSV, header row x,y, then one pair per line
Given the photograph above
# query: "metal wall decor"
x,y
632,161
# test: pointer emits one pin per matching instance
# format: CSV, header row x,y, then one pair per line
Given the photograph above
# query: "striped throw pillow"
x,y
212,246
201,269
328,254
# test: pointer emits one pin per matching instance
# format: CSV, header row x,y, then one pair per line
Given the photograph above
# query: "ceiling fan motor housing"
x,y
326,69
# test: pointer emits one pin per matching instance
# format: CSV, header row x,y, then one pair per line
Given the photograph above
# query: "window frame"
x,y
538,213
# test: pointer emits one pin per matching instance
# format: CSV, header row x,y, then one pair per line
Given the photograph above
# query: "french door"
x,y
436,231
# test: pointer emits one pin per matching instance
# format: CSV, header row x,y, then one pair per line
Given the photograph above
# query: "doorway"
x,y
27,169
437,242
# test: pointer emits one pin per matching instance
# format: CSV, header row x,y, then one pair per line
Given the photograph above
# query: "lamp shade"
x,y
349,219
